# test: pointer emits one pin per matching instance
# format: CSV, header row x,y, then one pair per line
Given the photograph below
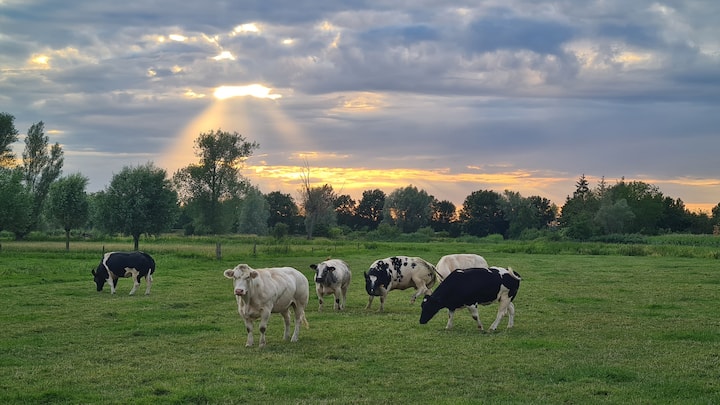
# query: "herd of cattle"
x,y
464,280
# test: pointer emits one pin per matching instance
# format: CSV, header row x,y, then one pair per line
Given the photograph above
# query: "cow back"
x,y
449,263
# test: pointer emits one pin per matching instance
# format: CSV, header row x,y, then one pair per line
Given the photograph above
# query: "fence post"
x,y
218,251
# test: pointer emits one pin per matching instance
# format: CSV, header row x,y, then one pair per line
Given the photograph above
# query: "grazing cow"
x,y
125,264
475,286
332,277
450,263
398,273
273,290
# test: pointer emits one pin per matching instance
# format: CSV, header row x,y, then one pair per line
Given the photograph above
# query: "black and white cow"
x,y
332,277
466,287
449,263
115,265
398,273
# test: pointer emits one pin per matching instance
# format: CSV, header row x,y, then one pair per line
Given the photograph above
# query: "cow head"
x,y
430,306
100,275
324,274
377,279
242,275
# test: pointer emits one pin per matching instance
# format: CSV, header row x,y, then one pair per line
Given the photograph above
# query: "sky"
x,y
450,97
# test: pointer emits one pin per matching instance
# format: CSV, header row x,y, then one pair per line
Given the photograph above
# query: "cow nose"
x,y
239,291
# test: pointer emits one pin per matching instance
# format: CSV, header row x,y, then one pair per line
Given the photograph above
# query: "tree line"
x,y
211,196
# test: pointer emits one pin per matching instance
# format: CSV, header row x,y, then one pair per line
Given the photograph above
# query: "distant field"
x,y
594,324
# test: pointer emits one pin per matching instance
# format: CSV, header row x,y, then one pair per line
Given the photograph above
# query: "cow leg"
x,y
249,328
338,297
112,284
503,308
286,317
299,317
382,301
320,298
148,283
422,290
511,315
136,280
370,300
264,317
451,315
343,297
473,309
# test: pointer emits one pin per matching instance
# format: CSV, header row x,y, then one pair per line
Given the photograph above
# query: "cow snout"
x,y
239,291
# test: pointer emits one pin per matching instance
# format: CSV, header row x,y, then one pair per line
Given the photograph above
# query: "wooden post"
x,y
218,251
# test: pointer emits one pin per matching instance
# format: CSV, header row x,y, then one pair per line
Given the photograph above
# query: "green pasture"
x,y
594,324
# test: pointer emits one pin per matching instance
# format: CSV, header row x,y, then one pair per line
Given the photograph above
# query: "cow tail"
x,y
436,274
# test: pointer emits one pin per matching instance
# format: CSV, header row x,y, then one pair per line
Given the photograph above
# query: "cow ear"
x,y
229,273
331,268
313,266
365,274
93,272
254,274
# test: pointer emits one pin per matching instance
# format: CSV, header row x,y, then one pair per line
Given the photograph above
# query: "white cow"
x,y
332,277
398,273
273,290
449,263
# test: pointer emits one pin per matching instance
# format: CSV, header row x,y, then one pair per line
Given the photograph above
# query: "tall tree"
x,y
408,208
482,214
254,213
215,179
42,165
283,210
8,136
578,213
139,200
68,203
370,208
15,201
444,213
345,211
317,203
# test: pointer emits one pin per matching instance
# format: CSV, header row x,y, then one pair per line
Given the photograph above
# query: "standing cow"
x,y
332,277
475,286
398,273
115,265
273,290
449,263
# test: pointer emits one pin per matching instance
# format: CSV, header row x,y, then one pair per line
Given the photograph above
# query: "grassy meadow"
x,y
594,324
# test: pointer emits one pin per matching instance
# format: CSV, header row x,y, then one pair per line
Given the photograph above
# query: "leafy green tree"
x,y
646,202
68,203
408,209
214,185
317,204
614,217
139,200
443,215
318,208
345,211
283,210
8,136
578,213
42,165
254,213
15,202
370,209
523,213
482,214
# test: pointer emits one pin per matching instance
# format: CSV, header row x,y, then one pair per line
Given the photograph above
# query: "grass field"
x,y
589,328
